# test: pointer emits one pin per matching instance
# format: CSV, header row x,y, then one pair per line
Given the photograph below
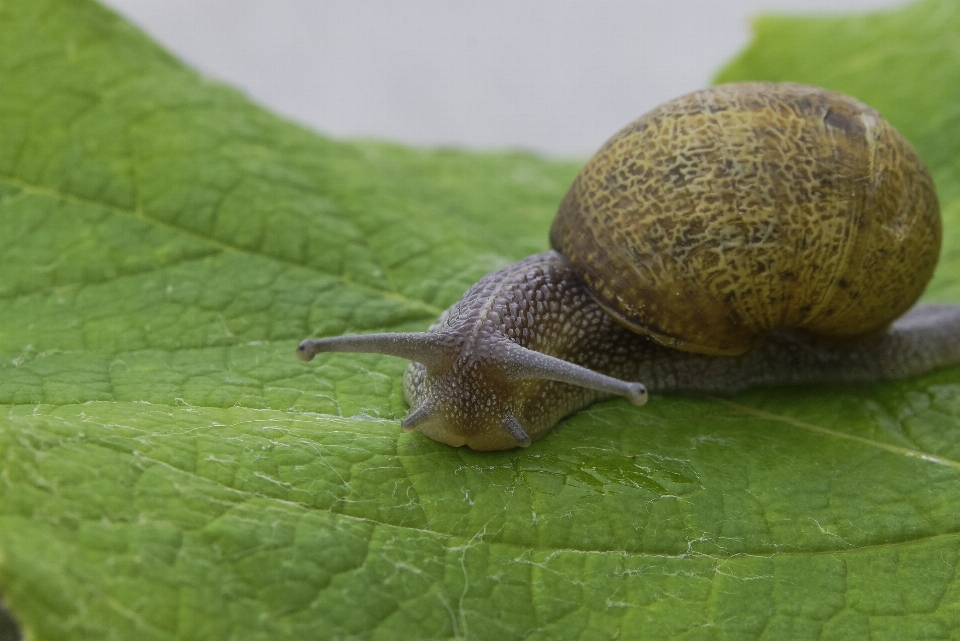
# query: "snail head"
x,y
475,393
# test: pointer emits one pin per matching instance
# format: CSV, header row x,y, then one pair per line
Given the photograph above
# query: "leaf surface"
x,y
171,471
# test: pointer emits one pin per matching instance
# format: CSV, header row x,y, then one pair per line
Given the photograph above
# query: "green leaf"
x,y
171,471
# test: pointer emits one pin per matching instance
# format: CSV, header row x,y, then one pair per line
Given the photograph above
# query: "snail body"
x,y
744,234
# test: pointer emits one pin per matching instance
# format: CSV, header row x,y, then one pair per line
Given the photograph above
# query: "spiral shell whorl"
x,y
741,209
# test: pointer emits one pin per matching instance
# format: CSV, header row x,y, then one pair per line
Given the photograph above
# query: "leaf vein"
x,y
223,246
789,420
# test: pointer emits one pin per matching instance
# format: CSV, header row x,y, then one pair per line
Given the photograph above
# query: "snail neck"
x,y
523,348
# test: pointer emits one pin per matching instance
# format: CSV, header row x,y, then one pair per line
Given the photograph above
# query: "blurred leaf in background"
x,y
169,470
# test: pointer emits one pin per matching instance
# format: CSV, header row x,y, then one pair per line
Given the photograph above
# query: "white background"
x,y
554,76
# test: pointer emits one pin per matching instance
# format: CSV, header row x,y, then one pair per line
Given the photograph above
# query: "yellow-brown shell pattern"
x,y
745,208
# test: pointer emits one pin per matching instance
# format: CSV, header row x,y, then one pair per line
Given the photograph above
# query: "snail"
x,y
745,234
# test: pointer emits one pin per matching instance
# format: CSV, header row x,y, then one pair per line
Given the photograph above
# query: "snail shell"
x,y
745,208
